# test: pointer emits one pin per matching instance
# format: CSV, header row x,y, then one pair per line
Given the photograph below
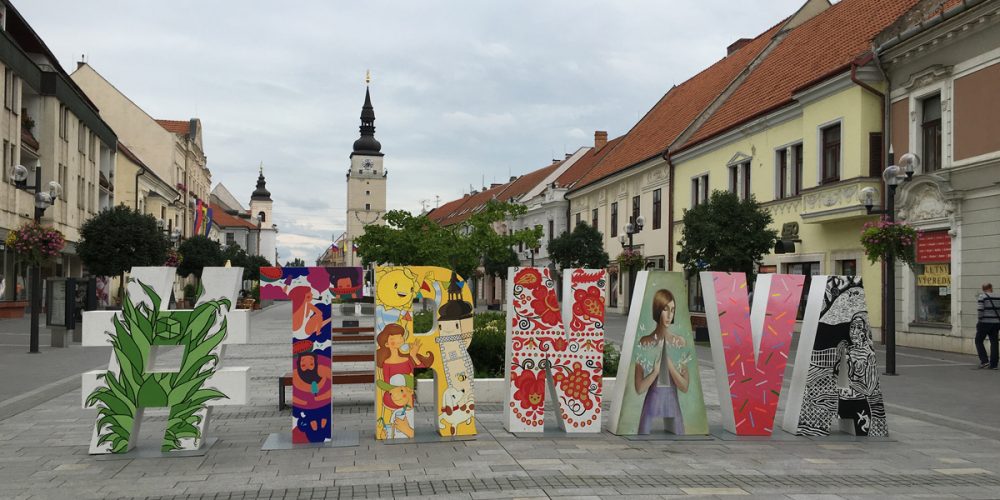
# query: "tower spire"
x,y
367,144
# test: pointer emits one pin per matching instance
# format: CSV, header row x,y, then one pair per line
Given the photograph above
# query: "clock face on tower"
x,y
368,164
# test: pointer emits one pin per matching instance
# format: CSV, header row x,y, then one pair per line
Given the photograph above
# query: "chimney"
x,y
737,45
600,139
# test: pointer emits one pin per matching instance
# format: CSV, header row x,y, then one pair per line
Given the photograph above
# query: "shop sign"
x,y
938,275
933,246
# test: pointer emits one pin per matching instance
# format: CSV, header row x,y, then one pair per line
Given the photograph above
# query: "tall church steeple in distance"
x,y
367,144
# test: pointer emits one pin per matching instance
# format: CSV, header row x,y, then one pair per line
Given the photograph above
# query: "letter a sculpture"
x,y
130,384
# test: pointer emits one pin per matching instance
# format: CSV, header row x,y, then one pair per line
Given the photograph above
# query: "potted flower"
x,y
36,245
887,238
631,259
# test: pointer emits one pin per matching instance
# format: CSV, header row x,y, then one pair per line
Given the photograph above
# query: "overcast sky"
x,y
465,92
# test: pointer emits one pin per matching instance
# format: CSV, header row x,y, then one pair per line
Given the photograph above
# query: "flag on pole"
x,y
208,218
198,218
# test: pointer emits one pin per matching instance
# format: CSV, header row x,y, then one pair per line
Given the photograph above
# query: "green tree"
x,y
726,234
251,264
583,247
118,239
296,262
416,240
199,252
251,270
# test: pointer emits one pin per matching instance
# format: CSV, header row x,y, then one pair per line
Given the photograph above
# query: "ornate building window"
x,y
657,209
614,219
831,154
930,133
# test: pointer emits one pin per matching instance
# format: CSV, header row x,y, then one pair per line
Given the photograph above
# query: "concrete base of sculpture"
x,y
428,436
283,441
152,450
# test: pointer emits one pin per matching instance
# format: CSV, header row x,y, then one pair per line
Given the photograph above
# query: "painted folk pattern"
x,y
754,361
539,345
312,291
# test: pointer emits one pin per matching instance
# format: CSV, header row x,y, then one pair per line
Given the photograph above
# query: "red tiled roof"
x,y
586,162
676,110
817,49
439,213
456,211
526,182
222,219
472,204
179,127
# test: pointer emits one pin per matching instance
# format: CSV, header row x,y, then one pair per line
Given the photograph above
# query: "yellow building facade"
x,y
806,164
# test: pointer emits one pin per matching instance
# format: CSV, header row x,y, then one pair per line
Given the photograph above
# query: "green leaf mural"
x,y
136,331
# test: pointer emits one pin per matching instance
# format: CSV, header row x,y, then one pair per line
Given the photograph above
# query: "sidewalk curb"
x,y
35,397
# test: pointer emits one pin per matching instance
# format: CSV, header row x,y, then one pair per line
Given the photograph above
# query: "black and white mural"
x,y
842,377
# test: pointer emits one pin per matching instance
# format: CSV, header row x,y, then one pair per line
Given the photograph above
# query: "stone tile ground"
x,y
43,454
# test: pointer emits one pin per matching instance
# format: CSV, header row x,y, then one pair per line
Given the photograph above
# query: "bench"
x,y
339,378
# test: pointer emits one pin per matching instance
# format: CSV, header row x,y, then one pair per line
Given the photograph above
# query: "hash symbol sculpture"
x,y
130,384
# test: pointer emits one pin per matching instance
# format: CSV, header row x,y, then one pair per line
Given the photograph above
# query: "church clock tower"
x,y
365,183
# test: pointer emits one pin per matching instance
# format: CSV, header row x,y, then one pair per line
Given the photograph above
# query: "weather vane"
x,y
368,76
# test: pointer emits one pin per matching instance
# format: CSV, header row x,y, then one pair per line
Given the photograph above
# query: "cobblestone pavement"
x,y
43,454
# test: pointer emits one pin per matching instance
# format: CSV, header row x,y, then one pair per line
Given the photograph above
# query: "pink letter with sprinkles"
x,y
750,346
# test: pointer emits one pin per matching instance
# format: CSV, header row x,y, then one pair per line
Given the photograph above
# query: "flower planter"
x,y
12,309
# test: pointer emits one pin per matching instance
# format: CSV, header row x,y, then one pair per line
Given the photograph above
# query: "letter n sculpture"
x,y
541,348
130,384
312,291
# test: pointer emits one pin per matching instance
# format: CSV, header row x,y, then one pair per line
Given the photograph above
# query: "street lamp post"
x,y
43,200
530,254
894,175
631,229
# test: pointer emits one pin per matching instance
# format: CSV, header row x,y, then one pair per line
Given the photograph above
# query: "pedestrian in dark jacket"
x,y
988,325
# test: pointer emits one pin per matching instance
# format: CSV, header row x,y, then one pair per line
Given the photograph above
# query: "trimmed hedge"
x,y
489,344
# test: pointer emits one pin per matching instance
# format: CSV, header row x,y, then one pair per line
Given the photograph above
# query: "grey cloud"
x,y
463,91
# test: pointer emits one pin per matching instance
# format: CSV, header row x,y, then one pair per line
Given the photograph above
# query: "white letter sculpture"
x,y
130,384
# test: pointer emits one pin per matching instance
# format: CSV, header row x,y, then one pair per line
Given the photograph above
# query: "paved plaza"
x,y
942,418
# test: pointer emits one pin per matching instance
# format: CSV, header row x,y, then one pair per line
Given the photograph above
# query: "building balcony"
x,y
837,201
28,140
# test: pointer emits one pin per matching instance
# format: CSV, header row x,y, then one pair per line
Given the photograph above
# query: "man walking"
x,y
988,325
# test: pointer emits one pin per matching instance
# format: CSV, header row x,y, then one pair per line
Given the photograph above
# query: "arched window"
x,y
261,217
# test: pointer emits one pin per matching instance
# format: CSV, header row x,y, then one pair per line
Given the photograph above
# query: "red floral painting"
x,y
541,346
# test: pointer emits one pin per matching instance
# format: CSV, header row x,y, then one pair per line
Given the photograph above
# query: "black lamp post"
x,y
43,200
631,229
894,175
530,254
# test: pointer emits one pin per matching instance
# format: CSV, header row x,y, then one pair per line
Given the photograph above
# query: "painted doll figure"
x,y
661,389
390,361
398,401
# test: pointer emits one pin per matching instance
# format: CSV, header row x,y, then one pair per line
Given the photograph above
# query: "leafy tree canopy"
x,y
199,252
583,247
296,262
726,234
416,240
120,238
251,264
